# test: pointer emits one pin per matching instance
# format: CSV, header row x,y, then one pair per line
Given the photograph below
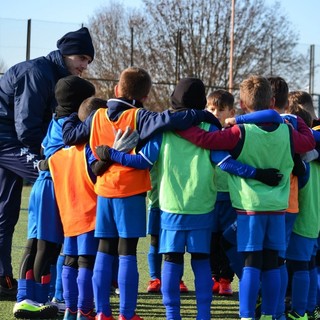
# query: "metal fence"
x,y
23,39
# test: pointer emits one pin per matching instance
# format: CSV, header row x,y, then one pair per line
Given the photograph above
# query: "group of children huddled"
x,y
241,200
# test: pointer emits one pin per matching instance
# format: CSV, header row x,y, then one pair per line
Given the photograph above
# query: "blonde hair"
x,y
256,93
134,83
89,105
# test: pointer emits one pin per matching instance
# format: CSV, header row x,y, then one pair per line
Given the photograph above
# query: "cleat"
x,y
101,316
8,287
33,310
225,287
183,287
86,316
135,317
69,315
154,286
294,315
60,304
216,285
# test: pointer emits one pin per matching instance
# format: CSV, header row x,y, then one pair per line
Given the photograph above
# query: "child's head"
x,y
221,104
299,110
189,93
134,84
89,105
255,94
280,92
70,91
304,99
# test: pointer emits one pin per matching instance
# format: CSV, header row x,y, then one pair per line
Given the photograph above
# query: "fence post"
x,y
28,40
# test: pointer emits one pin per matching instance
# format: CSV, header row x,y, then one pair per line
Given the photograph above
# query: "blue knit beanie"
x,y
76,42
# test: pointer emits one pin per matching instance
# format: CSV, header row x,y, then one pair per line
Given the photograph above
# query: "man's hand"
x,y
127,141
269,176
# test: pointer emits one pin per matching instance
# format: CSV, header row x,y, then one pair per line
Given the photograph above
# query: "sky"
x,y
67,15
304,14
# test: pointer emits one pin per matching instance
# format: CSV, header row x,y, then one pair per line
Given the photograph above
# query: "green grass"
x,y
149,305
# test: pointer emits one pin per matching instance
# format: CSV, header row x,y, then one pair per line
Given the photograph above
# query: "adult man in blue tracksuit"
x,y
27,103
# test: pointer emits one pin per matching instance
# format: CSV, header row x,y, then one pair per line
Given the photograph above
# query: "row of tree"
x,y
178,38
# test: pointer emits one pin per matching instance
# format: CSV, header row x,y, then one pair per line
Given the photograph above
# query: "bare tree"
x,y
3,66
179,38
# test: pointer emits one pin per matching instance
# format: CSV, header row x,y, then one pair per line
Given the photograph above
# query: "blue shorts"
x,y
153,221
44,220
192,241
121,217
301,248
223,215
83,244
261,231
289,222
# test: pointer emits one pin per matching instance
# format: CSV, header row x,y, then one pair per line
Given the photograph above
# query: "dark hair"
x,y
221,99
89,105
280,91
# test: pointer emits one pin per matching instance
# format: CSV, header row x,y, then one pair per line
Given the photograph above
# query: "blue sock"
x,y
101,281
171,275
154,261
236,260
128,280
300,290
85,299
312,297
248,291
42,292
26,289
203,287
318,290
270,290
58,294
53,272
70,292
115,269
280,310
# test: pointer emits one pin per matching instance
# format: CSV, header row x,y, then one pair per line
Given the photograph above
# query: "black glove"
x,y
270,176
103,152
100,167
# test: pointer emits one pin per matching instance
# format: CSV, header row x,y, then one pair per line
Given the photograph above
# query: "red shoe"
x,y
216,285
183,287
101,316
135,317
154,286
225,287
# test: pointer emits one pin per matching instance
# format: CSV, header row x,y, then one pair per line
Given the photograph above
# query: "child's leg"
x,y
69,281
249,284
171,274
312,297
300,285
46,251
203,284
102,274
84,280
270,282
229,243
58,292
154,258
128,277
26,283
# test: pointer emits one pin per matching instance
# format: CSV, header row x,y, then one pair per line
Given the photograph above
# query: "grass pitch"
x,y
149,305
